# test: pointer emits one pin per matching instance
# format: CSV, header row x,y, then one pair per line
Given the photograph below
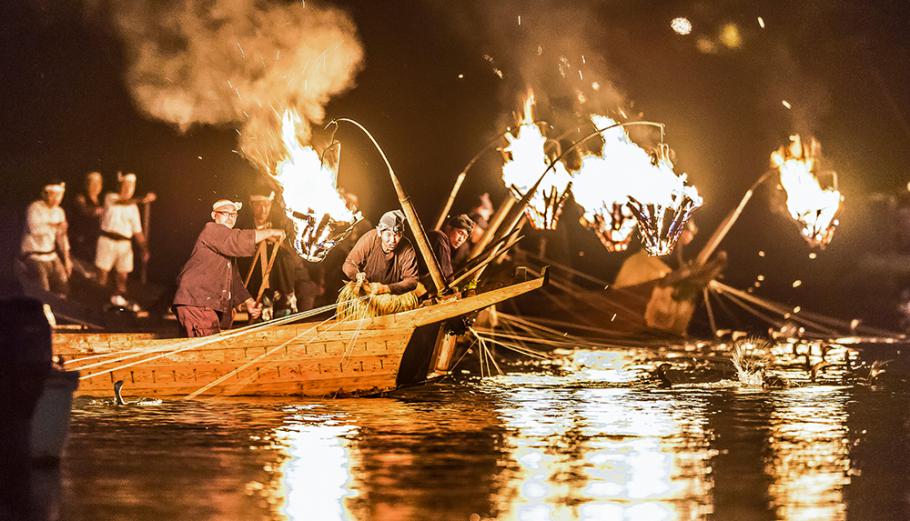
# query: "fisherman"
x,y
282,277
86,216
45,249
120,224
383,258
480,213
455,232
209,285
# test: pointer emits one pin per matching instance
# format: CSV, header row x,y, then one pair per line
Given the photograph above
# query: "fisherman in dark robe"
x,y
209,285
384,258
445,242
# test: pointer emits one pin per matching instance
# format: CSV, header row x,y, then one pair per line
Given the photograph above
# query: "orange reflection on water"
x,y
811,461
600,453
316,479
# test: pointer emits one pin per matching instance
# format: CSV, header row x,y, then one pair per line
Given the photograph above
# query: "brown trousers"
x,y
198,321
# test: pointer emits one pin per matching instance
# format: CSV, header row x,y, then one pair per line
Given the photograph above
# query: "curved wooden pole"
x,y
461,177
728,222
423,244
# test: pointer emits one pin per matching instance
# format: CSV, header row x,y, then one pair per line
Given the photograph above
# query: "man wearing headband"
x,y
120,224
45,250
281,278
209,285
445,242
384,258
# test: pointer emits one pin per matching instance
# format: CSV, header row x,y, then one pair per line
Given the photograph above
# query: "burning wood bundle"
x,y
525,159
319,213
624,183
813,208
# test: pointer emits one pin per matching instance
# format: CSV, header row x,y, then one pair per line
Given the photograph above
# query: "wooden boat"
x,y
660,306
329,358
51,417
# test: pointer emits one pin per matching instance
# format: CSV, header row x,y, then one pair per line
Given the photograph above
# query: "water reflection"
x,y
591,438
316,477
579,450
810,462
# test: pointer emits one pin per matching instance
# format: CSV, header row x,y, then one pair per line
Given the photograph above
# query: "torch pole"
x,y
460,179
728,222
450,201
495,223
423,244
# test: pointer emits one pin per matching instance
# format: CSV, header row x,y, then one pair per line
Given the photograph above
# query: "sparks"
x,y
786,104
761,22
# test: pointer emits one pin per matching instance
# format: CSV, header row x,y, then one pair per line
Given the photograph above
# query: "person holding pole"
x,y
209,285
384,258
120,224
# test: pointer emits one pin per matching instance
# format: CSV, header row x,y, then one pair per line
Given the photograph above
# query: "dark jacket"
x,y
210,278
442,249
397,269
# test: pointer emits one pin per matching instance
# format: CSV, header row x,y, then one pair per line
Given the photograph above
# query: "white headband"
x,y
126,177
226,202
56,187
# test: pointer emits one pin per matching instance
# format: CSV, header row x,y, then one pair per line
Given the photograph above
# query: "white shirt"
x,y
122,219
41,225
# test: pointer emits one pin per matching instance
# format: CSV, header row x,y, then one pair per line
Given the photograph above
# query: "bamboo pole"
x,y
450,201
461,177
724,228
267,271
495,223
420,236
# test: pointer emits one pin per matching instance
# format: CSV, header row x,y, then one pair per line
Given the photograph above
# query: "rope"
x,y
165,352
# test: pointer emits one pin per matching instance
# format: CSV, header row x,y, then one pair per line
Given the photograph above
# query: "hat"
x,y
223,203
129,176
461,221
392,220
55,186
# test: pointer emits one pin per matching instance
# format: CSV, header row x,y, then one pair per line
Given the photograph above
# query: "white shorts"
x,y
114,254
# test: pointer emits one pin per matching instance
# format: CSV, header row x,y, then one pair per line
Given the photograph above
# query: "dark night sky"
x,y
67,111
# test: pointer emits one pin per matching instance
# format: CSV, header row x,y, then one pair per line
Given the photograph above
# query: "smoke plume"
x,y
236,62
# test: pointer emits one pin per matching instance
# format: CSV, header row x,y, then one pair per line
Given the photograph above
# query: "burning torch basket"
x,y
543,213
314,239
661,225
614,230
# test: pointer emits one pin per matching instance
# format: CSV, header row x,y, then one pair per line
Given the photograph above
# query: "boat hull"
x,y
329,358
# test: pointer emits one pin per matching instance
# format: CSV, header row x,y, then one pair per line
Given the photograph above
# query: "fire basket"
x,y
613,226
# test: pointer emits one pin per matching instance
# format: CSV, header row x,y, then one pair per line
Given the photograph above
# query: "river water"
x,y
588,435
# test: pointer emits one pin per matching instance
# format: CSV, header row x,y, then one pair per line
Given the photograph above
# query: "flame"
x,y
814,208
623,181
526,160
312,202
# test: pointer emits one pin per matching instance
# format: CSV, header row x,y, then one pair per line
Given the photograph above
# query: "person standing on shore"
x,y
87,210
44,260
120,224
